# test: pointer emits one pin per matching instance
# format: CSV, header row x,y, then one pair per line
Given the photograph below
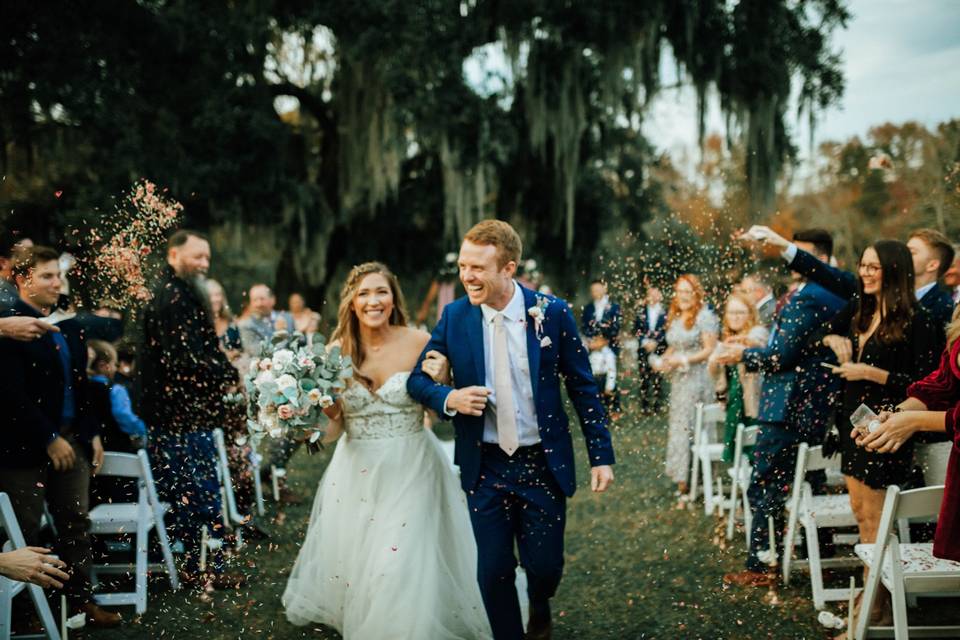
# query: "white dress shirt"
x,y
603,362
599,307
653,314
515,322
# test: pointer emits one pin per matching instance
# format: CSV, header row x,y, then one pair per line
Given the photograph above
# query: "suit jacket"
x,y
184,373
459,336
937,301
608,326
643,331
796,391
31,393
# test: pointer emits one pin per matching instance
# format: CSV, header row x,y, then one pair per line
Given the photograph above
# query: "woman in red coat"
x,y
933,404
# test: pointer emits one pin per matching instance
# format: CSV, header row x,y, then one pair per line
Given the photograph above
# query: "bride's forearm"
x,y
333,432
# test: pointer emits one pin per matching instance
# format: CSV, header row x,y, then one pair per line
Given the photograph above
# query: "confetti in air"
x,y
131,237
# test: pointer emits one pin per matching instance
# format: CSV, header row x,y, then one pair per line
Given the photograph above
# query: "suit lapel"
x,y
475,340
533,343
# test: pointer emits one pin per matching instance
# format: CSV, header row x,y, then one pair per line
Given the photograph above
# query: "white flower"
x,y
305,361
314,395
264,377
546,342
254,366
326,401
266,364
536,313
286,382
282,358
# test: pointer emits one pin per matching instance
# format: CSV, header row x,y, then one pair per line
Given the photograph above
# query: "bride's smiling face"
x,y
373,301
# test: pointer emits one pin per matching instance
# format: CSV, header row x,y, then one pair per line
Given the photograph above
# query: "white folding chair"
x,y
10,588
141,517
905,569
232,518
740,474
705,451
814,512
255,460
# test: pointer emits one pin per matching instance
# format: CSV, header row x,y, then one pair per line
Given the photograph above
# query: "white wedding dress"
x,y
389,552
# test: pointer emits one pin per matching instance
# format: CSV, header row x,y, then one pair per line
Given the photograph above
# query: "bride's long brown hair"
x,y
348,325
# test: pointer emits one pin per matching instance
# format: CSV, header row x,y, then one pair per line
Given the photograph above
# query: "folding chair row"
x,y
740,474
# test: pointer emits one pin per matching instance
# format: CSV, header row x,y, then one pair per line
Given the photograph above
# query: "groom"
x,y
508,347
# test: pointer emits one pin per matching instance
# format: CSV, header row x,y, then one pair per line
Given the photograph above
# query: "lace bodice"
x,y
387,413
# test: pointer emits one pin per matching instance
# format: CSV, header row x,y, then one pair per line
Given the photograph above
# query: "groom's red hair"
x,y
499,234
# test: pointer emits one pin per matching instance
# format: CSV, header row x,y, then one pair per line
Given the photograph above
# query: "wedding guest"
x,y
443,290
883,341
757,287
796,402
691,337
305,319
263,321
932,406
931,257
603,363
185,376
739,388
131,431
650,328
51,443
951,279
228,333
601,316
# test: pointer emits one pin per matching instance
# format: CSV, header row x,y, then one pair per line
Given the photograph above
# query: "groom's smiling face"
x,y
485,280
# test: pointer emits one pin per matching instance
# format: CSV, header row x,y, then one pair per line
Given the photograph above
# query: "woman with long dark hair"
x,y
883,341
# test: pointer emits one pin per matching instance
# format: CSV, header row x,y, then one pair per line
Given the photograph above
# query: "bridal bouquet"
x,y
291,383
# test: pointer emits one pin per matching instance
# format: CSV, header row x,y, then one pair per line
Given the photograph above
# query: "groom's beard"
x,y
198,285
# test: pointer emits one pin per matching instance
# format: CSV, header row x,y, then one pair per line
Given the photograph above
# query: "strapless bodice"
x,y
388,412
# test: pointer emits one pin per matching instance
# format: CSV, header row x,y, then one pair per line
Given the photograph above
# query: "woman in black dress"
x,y
884,341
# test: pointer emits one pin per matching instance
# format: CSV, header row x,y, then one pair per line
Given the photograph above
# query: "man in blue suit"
x,y
602,317
795,402
507,347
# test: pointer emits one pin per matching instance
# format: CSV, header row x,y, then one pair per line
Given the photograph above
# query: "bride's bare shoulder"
x,y
332,344
416,337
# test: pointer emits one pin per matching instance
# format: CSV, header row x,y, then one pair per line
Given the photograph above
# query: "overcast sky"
x,y
901,61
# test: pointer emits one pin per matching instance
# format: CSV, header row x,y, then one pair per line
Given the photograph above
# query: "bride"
x,y
389,552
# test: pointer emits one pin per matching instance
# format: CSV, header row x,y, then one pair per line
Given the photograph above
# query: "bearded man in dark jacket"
x,y
185,375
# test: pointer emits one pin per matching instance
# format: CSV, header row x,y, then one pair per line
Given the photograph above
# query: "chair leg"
x,y
143,534
732,515
708,497
788,544
6,602
901,629
42,608
869,595
816,568
161,530
747,515
275,480
257,487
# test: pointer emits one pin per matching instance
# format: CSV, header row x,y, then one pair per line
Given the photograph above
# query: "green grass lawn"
x,y
636,567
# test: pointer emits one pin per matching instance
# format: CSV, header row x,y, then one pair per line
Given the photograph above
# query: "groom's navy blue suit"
x,y
520,497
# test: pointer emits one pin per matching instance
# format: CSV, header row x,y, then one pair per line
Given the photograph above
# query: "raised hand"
x,y
24,328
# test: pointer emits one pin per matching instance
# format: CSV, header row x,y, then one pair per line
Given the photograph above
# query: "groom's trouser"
x,y
517,500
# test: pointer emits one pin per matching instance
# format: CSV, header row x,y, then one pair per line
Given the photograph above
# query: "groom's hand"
x,y
470,401
600,478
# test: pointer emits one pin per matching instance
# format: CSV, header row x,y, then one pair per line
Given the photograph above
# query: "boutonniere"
x,y
538,313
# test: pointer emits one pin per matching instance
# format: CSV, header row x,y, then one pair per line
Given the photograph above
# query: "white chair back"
x,y
121,465
9,588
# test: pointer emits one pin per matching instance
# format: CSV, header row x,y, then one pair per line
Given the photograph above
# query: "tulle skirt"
x,y
389,552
